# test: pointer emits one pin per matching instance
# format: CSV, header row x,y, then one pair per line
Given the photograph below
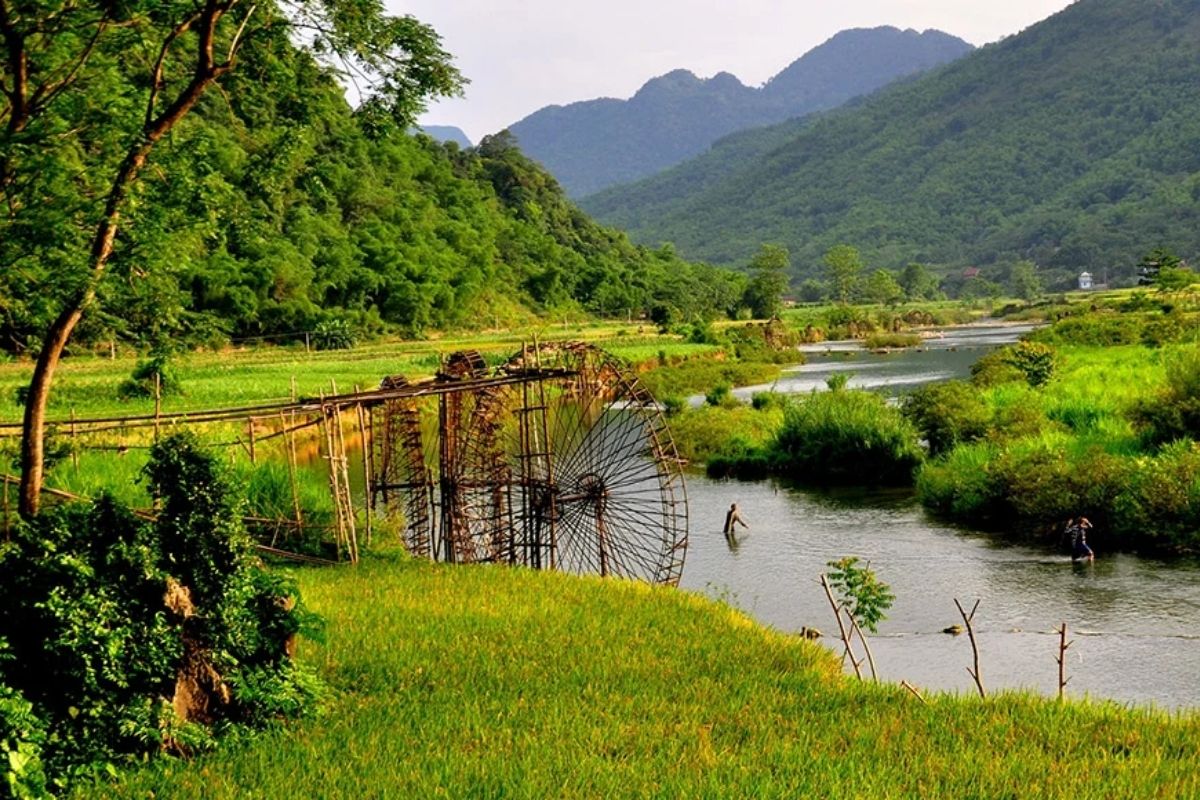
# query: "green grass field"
x,y
491,682
88,383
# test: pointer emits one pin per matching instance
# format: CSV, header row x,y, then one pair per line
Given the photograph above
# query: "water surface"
x,y
1133,620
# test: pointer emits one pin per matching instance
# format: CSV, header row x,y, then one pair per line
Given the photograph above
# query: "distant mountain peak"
x,y
1071,143
592,144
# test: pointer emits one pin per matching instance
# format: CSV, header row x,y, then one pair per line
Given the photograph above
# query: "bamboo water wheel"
x,y
557,459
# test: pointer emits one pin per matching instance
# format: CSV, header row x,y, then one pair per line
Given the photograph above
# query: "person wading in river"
x,y
733,518
1077,529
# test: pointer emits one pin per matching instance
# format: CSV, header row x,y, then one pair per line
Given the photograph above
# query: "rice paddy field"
x,y
495,682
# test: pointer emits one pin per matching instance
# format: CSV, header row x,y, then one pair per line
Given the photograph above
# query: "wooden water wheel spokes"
x,y
402,479
599,489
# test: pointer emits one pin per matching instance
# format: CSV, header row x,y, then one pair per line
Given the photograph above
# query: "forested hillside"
x,y
594,144
1075,143
270,210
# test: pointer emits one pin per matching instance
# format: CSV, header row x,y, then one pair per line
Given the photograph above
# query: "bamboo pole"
x,y
347,495
289,452
74,443
333,481
366,465
157,403
250,436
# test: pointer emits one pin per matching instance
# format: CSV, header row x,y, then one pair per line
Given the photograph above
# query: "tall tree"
x,y
1025,281
89,90
768,281
844,265
881,287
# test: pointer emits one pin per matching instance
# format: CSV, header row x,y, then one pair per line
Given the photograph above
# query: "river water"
x,y
1133,620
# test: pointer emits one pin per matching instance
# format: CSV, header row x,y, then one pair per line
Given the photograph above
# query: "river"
x,y
1132,620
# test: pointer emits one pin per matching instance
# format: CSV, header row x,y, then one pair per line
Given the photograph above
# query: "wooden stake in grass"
x,y
1063,644
837,613
914,691
967,620
866,646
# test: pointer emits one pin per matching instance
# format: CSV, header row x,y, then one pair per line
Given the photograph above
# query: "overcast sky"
x,y
521,55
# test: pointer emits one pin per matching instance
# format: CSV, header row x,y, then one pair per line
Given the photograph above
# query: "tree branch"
x,y
156,81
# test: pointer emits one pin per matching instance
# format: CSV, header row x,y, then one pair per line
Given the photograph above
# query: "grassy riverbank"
x,y
480,682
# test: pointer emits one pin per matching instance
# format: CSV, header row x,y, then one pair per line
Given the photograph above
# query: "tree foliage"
x,y
768,281
844,267
128,637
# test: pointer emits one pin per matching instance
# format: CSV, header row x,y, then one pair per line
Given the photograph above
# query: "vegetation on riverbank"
x,y
121,638
464,682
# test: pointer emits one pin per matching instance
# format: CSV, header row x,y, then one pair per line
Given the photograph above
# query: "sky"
x,y
523,55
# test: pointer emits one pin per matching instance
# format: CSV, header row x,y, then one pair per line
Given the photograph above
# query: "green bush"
x,y
131,637
334,334
141,382
881,341
947,414
22,735
1173,413
721,395
994,369
1159,505
847,437
1035,360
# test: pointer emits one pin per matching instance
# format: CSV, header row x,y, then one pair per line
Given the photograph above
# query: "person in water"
x,y
733,518
1077,529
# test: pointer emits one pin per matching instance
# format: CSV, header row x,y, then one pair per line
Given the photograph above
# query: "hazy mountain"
x,y
1075,142
597,143
445,133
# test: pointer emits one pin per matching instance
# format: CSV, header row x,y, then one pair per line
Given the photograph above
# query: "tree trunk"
x,y
33,449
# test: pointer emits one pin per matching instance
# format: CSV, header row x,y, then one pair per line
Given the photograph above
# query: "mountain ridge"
x,y
592,144
1075,142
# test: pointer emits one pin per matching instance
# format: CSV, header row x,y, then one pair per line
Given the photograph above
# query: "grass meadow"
x,y
506,683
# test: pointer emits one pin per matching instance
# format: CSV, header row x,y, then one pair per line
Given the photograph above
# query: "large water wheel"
x,y
560,459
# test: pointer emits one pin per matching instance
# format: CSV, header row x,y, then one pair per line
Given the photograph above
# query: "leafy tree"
x,y
881,287
768,282
812,291
1036,361
1157,259
844,266
918,282
1175,279
860,591
89,93
1025,282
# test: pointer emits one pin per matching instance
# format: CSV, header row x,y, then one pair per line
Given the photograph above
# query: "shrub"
x,y
131,637
1174,413
1159,503
334,334
22,735
947,414
673,405
721,395
141,382
880,341
994,369
762,401
847,437
1034,360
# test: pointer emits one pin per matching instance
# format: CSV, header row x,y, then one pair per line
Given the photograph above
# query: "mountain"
x,y
598,143
445,133
1075,143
